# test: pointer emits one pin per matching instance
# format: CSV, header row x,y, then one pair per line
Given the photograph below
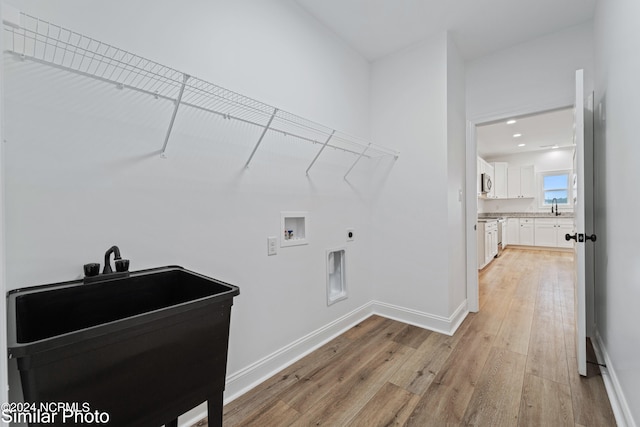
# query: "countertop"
x,y
493,215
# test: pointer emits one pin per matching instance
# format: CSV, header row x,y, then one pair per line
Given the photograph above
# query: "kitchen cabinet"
x,y
491,240
526,234
549,232
513,231
489,171
546,232
565,226
520,182
480,244
505,233
487,242
499,180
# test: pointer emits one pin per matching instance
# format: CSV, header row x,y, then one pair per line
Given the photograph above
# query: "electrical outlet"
x,y
351,234
272,246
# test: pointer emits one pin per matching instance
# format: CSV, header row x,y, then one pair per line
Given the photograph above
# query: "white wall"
x,y
413,253
83,170
408,106
543,161
617,67
530,77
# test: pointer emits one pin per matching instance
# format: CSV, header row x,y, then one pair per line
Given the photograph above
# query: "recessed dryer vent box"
x,y
336,275
295,229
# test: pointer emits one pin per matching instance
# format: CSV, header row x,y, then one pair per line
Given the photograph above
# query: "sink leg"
x,y
172,423
214,410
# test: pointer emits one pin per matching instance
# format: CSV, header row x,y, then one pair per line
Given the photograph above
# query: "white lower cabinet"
x,y
526,232
487,242
546,232
513,231
550,232
565,226
505,234
543,232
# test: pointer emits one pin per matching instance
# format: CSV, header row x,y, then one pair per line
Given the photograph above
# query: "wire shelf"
x,y
53,45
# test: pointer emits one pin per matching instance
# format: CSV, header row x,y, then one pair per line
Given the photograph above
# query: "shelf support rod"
x,y
185,77
264,132
320,152
357,160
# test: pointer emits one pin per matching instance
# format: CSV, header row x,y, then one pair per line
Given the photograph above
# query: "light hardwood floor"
x,y
511,364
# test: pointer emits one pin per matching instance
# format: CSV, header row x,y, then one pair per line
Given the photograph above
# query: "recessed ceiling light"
x,y
517,135
521,145
555,146
510,122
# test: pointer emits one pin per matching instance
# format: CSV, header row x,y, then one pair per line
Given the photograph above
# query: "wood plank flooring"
x,y
511,364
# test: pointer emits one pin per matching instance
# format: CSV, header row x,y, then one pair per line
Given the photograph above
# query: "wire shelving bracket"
x,y
264,132
185,78
47,43
320,152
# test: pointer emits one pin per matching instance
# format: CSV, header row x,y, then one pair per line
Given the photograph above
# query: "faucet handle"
x,y
92,269
122,265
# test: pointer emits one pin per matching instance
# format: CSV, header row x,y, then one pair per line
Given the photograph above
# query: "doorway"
x,y
537,144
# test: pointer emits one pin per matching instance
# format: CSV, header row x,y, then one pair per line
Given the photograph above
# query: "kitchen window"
x,y
556,185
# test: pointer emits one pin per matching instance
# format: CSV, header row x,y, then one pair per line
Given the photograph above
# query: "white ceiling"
x,y
376,28
539,132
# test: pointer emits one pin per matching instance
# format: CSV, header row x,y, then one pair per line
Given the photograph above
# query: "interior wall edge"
x,y
4,369
619,405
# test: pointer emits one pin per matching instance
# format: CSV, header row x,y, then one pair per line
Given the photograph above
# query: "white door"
x,y
583,208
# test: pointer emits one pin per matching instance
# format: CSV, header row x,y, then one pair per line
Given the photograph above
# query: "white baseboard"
x,y
441,324
247,378
244,380
619,404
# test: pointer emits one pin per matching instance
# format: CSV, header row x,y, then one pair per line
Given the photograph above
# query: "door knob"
x,y
580,237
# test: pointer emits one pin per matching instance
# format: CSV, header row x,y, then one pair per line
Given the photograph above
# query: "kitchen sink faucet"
x,y
556,203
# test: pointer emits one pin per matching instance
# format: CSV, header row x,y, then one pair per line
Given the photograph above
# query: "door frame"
x,y
471,214
4,369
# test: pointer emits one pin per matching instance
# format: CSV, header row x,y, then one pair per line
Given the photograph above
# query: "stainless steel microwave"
x,y
486,183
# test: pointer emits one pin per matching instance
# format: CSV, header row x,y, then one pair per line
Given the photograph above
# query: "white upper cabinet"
x,y
520,182
527,181
489,171
499,180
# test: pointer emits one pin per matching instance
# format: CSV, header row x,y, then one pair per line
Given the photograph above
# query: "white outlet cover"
x,y
351,234
272,246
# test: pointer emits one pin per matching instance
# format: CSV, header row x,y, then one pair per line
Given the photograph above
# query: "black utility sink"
x,y
143,348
